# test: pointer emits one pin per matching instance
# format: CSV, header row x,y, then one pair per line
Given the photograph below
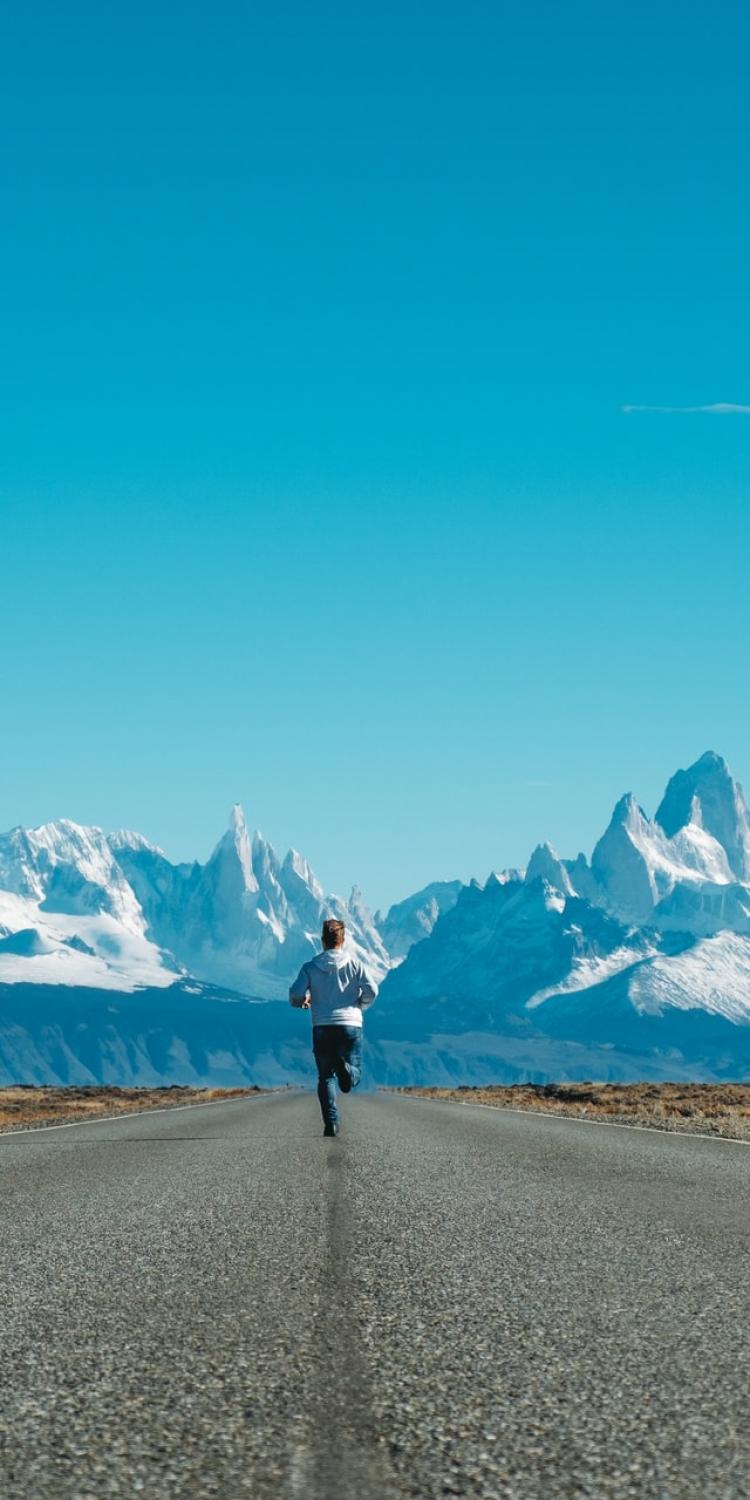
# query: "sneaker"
x,y
331,1129
343,1077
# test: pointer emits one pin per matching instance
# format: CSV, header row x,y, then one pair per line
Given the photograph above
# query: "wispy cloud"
x,y
717,409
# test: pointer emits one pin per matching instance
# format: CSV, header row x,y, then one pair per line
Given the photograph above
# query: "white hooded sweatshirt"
x,y
339,987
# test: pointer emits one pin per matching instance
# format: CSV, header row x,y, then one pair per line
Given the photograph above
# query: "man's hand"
x,y
301,1002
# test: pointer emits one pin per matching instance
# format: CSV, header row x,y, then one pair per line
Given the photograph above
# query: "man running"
x,y
336,987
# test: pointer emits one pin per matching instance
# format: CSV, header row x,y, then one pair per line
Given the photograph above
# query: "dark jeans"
x,y
338,1054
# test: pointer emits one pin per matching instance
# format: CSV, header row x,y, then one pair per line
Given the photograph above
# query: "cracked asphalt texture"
x,y
445,1300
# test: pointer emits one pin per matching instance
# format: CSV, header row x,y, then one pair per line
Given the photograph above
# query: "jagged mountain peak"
x,y
628,812
126,838
57,833
706,794
409,921
56,842
232,857
545,863
545,848
710,760
237,817
625,857
295,865
265,862
70,868
293,860
263,846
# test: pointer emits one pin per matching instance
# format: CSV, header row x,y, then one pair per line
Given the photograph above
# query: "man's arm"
x,y
299,992
367,988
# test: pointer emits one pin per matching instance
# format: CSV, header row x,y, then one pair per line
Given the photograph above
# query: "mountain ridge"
x,y
645,938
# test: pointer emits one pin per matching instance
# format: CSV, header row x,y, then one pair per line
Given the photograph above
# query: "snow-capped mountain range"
x,y
83,908
641,953
633,963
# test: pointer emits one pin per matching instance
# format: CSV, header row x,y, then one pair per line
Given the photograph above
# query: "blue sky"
x,y
317,491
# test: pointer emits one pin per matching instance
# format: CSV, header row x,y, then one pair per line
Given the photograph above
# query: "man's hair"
x,y
333,932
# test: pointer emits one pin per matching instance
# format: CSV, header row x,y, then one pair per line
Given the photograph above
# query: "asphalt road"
x,y
444,1301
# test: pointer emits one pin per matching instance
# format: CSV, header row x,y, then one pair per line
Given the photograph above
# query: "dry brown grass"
x,y
24,1105
709,1108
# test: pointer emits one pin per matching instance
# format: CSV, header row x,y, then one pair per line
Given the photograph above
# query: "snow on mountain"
x,y
500,946
656,927
407,922
706,795
67,868
42,947
545,864
635,963
69,916
125,838
246,919
367,937
704,908
587,970
114,912
712,976
637,864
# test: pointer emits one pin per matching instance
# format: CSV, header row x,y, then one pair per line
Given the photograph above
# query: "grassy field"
x,y
22,1106
708,1108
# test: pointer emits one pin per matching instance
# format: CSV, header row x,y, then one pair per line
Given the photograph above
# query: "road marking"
x,y
299,1478
132,1114
549,1114
346,1456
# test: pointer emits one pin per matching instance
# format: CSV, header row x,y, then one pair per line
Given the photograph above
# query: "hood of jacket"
x,y
331,958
